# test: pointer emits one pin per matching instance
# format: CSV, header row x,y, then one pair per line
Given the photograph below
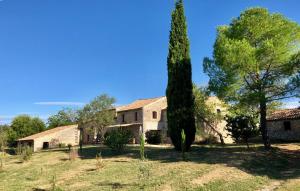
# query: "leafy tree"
x,y
98,114
205,113
242,127
255,61
24,125
63,117
3,137
180,111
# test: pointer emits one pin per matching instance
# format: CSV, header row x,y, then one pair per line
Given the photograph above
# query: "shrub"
x,y
153,137
142,147
69,146
61,145
116,139
242,127
73,154
1,161
25,152
183,145
99,161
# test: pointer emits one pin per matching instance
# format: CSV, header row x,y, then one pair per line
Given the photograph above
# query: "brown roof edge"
x,y
138,104
284,114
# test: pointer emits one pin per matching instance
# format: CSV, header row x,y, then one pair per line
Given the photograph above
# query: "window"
x,y
154,115
287,125
123,118
136,116
88,138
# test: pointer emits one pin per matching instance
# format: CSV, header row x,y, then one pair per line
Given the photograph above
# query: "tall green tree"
x,y
24,125
255,61
97,114
63,117
180,111
3,137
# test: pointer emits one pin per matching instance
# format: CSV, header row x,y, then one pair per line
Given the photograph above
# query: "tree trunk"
x,y
263,125
247,143
215,130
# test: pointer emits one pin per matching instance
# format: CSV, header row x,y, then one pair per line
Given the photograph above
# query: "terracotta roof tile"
x,y
138,104
285,114
47,132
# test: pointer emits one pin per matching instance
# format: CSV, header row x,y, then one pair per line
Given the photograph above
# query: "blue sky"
x,y
63,53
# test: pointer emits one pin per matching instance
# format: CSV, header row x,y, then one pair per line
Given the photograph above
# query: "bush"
x,y
73,154
99,161
116,139
242,128
24,151
69,146
61,145
153,137
142,147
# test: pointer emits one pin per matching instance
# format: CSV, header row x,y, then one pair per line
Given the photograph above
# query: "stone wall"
x,y
65,136
160,123
129,116
277,131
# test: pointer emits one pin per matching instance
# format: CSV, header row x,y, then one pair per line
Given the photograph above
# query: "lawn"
x,y
210,167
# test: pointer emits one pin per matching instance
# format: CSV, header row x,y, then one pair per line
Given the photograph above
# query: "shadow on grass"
x,y
115,185
278,163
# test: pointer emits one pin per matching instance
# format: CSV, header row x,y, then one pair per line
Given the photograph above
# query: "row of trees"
x,y
21,126
255,63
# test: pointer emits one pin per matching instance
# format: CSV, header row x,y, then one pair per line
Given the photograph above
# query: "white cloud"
x,y
60,103
291,104
6,117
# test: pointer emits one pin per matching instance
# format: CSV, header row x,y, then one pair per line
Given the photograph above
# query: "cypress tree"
x,y
179,92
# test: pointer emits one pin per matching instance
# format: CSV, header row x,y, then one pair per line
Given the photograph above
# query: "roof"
x,y
47,132
285,114
138,104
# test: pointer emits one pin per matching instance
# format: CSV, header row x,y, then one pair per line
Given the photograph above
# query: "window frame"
x,y
136,116
154,114
123,117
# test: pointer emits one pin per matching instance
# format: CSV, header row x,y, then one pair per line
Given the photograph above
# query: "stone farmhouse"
x,y
284,125
52,137
139,117
145,115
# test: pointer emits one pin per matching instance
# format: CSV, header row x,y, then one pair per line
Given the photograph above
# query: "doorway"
x,y
46,145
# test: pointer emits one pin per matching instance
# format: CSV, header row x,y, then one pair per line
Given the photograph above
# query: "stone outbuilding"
x,y
53,137
284,125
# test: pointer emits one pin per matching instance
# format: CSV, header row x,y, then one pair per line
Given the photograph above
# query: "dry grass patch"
x,y
212,168
221,172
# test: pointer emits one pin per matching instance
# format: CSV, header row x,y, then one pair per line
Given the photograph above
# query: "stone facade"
x,y
219,107
142,116
151,114
51,138
284,125
279,130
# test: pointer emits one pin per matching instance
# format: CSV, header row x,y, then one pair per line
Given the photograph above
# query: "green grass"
x,y
209,168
